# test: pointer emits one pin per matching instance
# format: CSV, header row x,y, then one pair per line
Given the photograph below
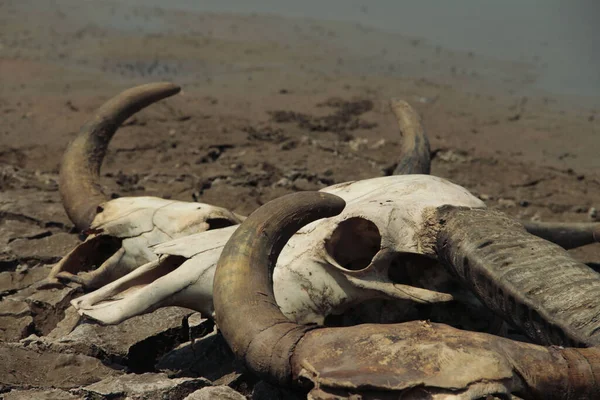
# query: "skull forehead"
x,y
133,216
394,204
381,213
430,191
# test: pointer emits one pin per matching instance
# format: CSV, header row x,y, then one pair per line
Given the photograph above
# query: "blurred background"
x,y
557,39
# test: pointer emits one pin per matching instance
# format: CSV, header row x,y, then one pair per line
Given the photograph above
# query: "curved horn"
x,y
529,281
415,157
80,169
245,306
568,235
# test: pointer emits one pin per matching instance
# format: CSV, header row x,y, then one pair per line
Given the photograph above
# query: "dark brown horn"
x,y
245,306
415,156
568,235
80,169
530,282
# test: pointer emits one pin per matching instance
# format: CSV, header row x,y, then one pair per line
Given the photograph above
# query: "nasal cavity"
x,y
218,223
354,243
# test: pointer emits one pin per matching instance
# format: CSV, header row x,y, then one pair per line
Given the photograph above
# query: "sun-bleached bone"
x,y
126,228
325,268
121,231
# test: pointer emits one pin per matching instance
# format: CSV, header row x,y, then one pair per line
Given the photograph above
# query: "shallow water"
x,y
559,39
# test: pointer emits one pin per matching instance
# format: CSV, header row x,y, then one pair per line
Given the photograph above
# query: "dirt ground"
x,y
269,106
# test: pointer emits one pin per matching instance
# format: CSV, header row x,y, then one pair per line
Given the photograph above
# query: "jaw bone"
x,y
181,276
124,232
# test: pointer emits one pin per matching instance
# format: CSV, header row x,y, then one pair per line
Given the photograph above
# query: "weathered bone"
x,y
122,230
182,276
410,360
125,231
324,269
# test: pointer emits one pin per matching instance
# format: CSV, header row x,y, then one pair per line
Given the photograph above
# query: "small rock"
x,y
357,144
13,307
593,214
303,184
579,209
15,328
378,144
145,386
136,343
24,367
536,218
215,393
16,321
209,357
27,203
44,249
485,197
266,391
52,394
66,325
48,306
506,203
288,145
284,182
453,156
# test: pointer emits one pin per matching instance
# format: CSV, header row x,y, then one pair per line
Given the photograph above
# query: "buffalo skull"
x,y
121,231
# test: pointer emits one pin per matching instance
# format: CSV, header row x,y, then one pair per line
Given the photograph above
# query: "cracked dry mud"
x,y
265,112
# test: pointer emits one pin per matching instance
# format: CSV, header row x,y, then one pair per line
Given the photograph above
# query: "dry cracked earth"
x,y
266,110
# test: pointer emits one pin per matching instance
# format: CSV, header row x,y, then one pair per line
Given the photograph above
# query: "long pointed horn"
x,y
80,169
529,281
245,306
568,235
415,155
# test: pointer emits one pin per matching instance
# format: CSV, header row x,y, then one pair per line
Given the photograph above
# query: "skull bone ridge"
x,y
124,231
377,248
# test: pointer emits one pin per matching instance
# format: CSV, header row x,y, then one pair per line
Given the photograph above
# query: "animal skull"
x,y
124,231
373,240
121,230
325,268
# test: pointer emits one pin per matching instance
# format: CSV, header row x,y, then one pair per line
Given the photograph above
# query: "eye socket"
x,y
218,223
354,243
